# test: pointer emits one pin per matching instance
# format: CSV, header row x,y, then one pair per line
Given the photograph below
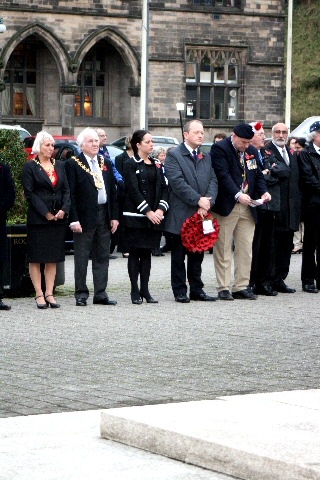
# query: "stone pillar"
x,y
67,92
134,93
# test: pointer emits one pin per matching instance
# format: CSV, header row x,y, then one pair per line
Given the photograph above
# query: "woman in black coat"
x,y
145,205
47,192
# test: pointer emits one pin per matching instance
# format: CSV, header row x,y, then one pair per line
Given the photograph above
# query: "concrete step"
x,y
273,436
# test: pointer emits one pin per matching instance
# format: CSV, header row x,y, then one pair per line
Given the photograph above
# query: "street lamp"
x,y
144,66
289,66
3,28
180,108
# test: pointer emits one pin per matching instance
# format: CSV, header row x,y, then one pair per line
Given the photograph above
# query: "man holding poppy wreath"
x,y
193,188
241,187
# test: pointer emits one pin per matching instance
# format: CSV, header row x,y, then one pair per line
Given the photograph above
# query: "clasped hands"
x,y
204,206
245,199
58,216
155,217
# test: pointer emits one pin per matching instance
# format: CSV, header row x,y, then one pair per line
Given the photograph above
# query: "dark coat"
x,y
41,195
188,181
309,164
84,193
288,217
7,198
229,172
137,199
278,171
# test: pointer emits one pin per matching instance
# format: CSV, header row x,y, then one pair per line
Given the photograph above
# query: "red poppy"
x,y
192,236
105,168
249,157
200,156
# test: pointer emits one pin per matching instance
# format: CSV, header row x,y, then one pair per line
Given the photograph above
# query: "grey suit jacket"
x,y
188,181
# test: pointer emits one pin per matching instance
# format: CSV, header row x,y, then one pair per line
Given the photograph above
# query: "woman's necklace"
x,y
49,171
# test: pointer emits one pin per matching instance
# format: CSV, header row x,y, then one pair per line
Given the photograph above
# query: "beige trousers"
x,y
238,226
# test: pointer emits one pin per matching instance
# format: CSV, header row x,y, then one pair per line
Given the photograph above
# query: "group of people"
x,y
252,189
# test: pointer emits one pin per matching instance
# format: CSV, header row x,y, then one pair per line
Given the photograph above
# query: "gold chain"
x,y
86,169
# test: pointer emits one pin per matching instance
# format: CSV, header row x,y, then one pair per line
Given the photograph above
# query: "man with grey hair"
x,y
93,216
309,161
288,217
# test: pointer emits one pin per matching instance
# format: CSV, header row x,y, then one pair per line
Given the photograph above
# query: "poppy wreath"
x,y
192,236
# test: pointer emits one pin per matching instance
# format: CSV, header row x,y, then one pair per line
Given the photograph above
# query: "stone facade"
x,y
63,33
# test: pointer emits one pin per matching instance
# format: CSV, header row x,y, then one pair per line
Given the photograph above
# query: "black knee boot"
x,y
133,270
145,268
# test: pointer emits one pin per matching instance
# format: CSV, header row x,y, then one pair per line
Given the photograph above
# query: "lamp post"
x,y
144,66
180,108
289,66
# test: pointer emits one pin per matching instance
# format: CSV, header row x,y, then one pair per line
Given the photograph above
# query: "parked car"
x,y
206,147
22,131
303,129
29,141
159,141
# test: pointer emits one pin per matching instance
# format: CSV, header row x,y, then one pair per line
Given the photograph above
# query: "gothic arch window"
x,y
19,96
99,72
213,82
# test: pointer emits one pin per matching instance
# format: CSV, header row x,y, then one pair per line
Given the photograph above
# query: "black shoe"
x,y
135,298
182,298
51,304
245,294
148,298
203,297
104,301
283,288
3,306
165,248
112,257
42,306
266,290
310,288
81,302
225,295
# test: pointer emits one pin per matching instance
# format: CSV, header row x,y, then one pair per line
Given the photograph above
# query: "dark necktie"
x,y
260,158
244,186
195,155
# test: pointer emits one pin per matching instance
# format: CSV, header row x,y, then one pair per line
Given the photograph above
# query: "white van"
x,y
22,131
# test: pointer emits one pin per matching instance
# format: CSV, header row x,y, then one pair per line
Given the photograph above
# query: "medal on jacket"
x,y
97,180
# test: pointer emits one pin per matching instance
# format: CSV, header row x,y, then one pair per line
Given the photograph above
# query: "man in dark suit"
x,y
93,216
193,188
287,219
240,183
7,198
263,252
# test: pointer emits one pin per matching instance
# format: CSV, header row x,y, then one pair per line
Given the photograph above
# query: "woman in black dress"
x,y
145,205
47,192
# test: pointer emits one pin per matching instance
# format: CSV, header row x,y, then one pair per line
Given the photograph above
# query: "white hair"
x,y
312,135
40,138
87,132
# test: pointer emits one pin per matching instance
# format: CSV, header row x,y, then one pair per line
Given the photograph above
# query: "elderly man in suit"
x,y
288,218
193,188
240,184
7,198
93,216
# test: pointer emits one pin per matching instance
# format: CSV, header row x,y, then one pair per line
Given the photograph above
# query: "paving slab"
x,y
273,436
68,446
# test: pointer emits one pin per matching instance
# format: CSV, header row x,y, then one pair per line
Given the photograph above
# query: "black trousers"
x,y
310,269
97,243
283,243
179,273
263,251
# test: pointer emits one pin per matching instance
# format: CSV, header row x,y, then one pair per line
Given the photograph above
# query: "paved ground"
x,y
100,357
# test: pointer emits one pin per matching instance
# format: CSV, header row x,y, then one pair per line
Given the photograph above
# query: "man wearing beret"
x,y
288,217
309,163
240,183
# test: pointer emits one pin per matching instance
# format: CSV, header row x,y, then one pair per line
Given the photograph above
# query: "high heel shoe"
x,y
51,304
148,298
41,306
135,298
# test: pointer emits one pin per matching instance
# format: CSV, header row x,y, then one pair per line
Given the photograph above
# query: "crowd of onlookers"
x,y
262,195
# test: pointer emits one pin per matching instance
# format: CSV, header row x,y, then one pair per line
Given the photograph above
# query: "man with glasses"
x,y
288,217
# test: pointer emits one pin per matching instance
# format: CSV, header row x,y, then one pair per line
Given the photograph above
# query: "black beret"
x,y
244,130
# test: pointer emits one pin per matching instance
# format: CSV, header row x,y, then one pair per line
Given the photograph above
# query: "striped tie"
x,y
244,186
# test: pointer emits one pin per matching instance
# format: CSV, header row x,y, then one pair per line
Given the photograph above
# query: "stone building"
x,y
66,64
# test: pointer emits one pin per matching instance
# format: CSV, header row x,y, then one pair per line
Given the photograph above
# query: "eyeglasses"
x,y
285,132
